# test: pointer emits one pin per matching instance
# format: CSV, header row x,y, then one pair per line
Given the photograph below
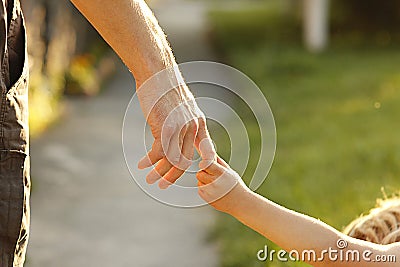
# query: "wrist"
x,y
244,201
149,71
166,86
162,79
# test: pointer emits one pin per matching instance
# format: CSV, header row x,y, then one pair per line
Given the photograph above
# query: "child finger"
x,y
204,177
205,163
222,162
203,141
212,168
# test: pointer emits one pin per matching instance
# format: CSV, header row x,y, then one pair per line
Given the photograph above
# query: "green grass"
x,y
337,127
247,24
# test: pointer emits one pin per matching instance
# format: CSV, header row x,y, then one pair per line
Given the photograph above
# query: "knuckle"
x,y
155,158
195,121
185,128
190,125
184,165
202,121
199,175
194,125
168,129
174,160
157,153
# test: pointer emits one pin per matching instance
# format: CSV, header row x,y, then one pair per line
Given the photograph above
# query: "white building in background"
x,y
315,24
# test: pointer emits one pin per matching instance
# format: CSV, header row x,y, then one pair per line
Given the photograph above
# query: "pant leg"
x,y
14,135
11,204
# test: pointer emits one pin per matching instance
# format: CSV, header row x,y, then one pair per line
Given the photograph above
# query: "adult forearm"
x,y
131,29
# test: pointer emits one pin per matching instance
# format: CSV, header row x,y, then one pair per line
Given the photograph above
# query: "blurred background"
x,y
329,70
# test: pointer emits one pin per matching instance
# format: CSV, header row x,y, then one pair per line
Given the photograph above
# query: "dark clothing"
x,y
14,135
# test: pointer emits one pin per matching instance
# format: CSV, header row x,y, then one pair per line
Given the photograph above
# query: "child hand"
x,y
220,186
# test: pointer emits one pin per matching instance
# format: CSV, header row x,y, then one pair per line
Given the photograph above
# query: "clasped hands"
x,y
178,127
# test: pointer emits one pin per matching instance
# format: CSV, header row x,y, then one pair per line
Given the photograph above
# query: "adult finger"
x,y
156,153
188,146
167,132
174,149
162,167
170,177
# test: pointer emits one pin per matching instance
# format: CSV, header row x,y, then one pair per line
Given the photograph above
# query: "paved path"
x,y
86,210
185,23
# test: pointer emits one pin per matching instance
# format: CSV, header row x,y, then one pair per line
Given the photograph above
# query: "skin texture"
x,y
288,229
177,124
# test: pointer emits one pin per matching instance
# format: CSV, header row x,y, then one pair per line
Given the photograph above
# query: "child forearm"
x,y
294,231
130,28
288,229
291,230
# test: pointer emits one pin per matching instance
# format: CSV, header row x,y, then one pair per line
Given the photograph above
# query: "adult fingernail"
x,y
144,163
152,177
163,184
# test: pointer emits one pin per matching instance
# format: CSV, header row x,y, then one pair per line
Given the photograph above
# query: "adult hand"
x,y
177,125
130,28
